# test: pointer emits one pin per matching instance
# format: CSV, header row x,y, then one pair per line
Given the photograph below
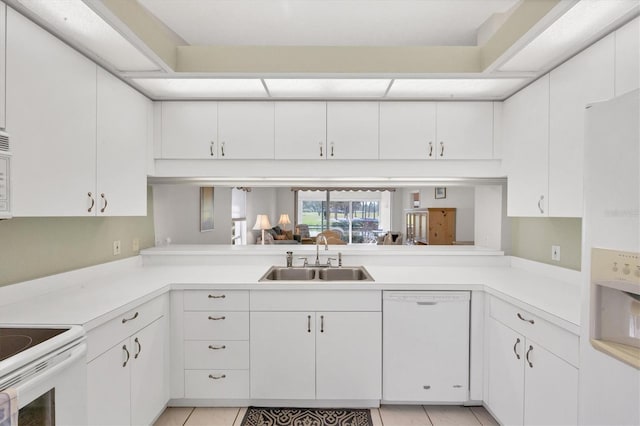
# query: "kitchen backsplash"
x,y
532,238
35,247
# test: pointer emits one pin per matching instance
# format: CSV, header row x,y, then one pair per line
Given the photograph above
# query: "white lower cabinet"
x,y
316,354
529,384
126,384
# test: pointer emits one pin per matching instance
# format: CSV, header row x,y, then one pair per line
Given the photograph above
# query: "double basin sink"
x,y
318,273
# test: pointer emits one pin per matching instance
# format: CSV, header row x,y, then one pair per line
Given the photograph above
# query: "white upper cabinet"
x,y
51,116
585,78
465,130
189,130
121,148
352,130
300,130
245,130
526,150
628,57
407,130
436,130
3,45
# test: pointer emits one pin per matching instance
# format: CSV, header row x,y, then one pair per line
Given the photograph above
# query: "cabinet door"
x,y
526,149
282,353
245,130
506,375
51,115
147,373
3,62
108,398
189,129
465,130
348,355
300,130
585,78
352,130
551,388
627,57
407,130
121,148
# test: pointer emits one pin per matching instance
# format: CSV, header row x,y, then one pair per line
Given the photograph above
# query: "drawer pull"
x,y
321,323
308,323
211,296
515,351
222,376
527,356
530,321
137,342
216,348
426,387
124,348
216,318
125,320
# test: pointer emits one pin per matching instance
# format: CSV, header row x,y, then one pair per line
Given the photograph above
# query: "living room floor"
x,y
386,415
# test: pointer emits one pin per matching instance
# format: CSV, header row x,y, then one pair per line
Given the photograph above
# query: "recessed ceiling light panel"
x,y
488,88
202,88
75,21
327,88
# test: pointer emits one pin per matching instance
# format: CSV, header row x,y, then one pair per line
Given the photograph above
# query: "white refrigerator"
x,y
609,389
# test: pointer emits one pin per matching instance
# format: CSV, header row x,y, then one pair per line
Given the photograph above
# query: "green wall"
x,y
532,238
38,246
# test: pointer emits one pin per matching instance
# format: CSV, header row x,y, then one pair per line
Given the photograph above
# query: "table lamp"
x,y
284,220
262,223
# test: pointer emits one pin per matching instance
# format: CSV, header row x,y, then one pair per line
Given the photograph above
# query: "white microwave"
x,y
5,176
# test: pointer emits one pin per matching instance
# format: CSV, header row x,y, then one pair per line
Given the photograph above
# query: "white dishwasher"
x,y
425,346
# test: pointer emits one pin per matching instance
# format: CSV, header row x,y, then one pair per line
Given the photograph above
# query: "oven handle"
x,y
77,353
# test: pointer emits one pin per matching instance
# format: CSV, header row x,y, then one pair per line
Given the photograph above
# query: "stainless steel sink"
x,y
281,273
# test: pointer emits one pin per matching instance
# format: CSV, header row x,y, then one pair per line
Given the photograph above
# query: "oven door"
x,y
52,390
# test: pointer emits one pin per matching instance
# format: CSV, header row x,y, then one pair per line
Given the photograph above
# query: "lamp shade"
x,y
284,219
262,222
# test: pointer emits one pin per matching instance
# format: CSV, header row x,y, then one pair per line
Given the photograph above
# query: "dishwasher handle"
x,y
427,303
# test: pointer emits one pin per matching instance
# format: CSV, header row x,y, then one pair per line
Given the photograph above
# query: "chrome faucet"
x,y
326,247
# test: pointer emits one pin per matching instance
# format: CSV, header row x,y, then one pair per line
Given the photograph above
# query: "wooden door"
x,y
442,226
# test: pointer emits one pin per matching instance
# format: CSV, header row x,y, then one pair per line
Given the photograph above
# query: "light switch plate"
x,y
555,253
116,247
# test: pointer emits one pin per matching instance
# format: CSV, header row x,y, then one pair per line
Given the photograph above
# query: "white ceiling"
x,y
327,22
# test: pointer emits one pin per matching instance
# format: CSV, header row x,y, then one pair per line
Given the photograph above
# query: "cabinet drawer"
x,y
108,334
316,300
216,300
219,384
216,325
219,354
558,340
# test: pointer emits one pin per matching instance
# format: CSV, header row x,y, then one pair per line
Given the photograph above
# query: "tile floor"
x,y
386,415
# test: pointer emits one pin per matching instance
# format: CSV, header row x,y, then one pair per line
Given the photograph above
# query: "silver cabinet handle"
x,y
321,323
222,376
124,348
321,153
540,204
222,149
93,202
308,323
137,342
125,320
332,146
106,203
430,149
216,318
222,296
211,148
514,348
441,148
217,348
426,303
530,321
527,356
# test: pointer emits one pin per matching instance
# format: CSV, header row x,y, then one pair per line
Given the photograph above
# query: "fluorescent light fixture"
x,y
202,87
489,88
75,21
580,24
327,88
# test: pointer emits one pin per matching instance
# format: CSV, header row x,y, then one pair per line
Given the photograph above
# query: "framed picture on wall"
x,y
206,208
440,192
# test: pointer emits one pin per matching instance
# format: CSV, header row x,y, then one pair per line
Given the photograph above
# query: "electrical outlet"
x,y
116,247
555,253
135,246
